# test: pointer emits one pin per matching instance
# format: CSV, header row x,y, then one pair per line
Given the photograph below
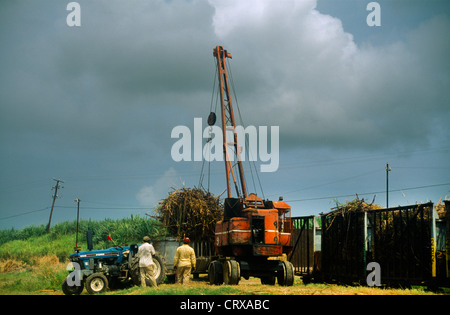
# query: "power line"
x,y
73,207
369,193
25,213
106,208
363,158
328,183
292,200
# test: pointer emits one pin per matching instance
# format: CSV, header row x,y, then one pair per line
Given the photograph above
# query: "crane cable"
x,y
251,161
208,142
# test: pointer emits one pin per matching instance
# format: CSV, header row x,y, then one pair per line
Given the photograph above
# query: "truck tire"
x,y
215,273
270,280
285,277
96,283
231,272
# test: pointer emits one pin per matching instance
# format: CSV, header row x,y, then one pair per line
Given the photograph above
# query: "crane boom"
x,y
228,123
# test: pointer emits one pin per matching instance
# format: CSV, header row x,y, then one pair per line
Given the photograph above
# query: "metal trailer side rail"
x,y
446,271
403,243
305,255
204,252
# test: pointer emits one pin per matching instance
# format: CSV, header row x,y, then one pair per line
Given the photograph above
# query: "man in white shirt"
x,y
146,266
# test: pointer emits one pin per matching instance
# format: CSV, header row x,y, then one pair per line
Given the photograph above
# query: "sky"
x,y
95,105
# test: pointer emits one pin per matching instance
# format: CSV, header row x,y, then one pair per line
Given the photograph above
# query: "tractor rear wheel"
x,y
160,270
135,272
96,283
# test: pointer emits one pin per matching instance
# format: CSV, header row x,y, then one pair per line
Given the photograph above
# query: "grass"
x,y
46,277
29,250
194,288
253,286
33,262
35,242
126,230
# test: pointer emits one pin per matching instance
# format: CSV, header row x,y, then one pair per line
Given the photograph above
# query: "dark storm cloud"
x,y
325,90
110,91
118,76
128,68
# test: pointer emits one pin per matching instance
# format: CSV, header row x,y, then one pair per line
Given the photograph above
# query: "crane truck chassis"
x,y
253,242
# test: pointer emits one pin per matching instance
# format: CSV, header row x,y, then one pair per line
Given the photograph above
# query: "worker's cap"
x,y
187,240
146,239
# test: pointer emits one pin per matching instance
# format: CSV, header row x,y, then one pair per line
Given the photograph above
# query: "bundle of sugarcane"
x,y
440,209
355,205
190,212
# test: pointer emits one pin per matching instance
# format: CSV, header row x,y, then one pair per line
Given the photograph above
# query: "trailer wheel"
x,y
215,273
96,283
285,277
231,272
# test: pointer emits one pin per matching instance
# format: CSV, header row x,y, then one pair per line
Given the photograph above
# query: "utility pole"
x,y
78,220
388,169
55,195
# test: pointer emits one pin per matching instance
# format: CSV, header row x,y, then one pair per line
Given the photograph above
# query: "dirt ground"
x,y
253,286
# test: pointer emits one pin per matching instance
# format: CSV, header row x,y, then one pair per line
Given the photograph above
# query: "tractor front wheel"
x,y
96,283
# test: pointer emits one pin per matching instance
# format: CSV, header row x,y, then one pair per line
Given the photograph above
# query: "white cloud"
x,y
152,194
234,16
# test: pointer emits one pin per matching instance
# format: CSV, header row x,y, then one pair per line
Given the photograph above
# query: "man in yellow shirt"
x,y
184,261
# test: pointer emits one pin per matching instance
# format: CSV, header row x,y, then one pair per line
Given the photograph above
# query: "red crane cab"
x,y
254,228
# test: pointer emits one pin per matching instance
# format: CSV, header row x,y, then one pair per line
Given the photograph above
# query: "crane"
x,y
254,233
228,123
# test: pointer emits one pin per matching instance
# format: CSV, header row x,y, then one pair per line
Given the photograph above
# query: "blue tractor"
x,y
115,267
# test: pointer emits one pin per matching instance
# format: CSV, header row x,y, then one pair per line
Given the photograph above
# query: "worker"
x,y
146,266
184,261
